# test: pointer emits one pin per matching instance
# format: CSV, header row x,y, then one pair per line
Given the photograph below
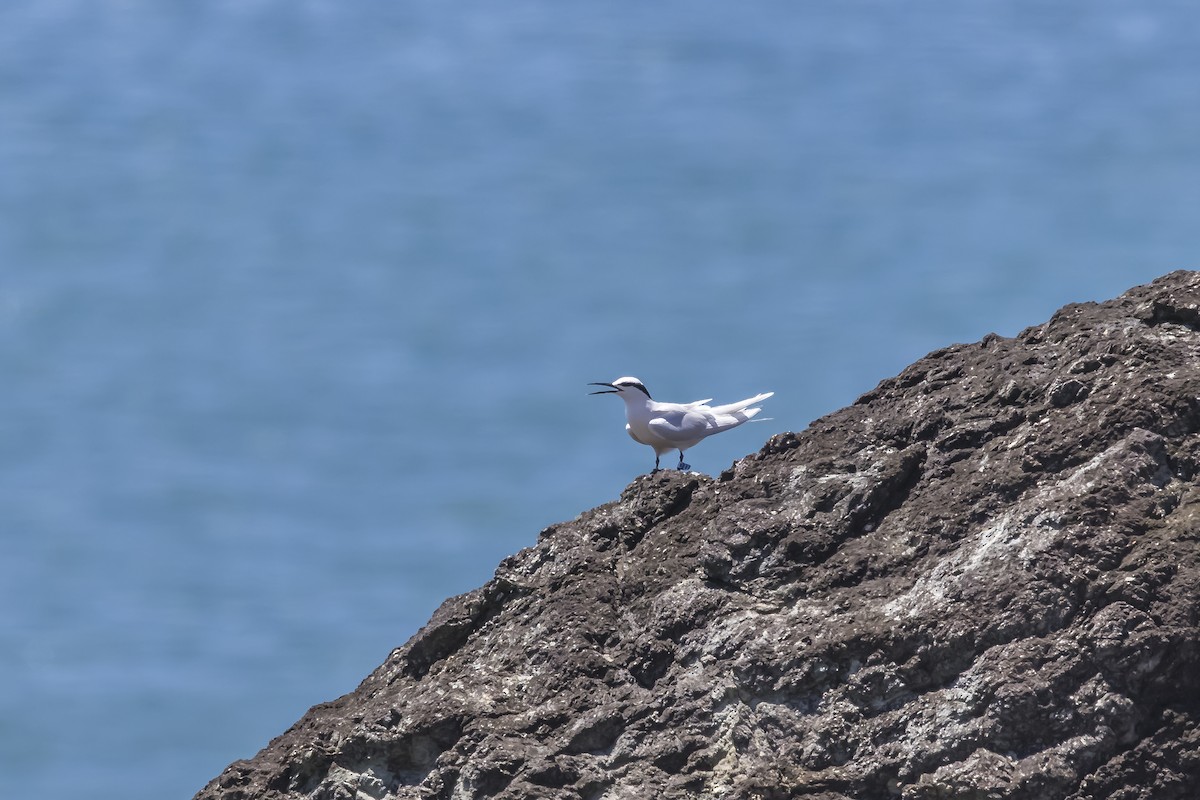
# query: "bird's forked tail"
x,y
743,405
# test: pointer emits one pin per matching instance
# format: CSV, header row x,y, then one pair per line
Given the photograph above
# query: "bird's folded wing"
x,y
680,427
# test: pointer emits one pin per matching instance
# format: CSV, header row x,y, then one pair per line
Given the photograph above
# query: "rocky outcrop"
x,y
981,580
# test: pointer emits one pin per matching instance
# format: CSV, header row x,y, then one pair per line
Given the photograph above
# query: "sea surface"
x,y
299,298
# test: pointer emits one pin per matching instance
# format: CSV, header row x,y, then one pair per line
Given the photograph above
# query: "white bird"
x,y
675,426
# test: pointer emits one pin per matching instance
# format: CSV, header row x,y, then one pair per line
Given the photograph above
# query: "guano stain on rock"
x,y
979,580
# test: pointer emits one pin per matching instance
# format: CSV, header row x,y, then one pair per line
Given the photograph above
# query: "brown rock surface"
x,y
980,580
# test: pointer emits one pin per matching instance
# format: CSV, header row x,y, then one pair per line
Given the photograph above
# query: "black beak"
x,y
611,389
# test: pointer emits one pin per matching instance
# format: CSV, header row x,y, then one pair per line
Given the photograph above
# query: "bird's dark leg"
x,y
681,464
655,464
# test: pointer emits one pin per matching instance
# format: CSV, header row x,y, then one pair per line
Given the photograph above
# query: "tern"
x,y
675,426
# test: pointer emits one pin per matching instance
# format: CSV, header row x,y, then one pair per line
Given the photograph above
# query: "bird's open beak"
x,y
611,389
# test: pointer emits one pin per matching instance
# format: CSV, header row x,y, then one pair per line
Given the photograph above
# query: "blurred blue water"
x,y
298,299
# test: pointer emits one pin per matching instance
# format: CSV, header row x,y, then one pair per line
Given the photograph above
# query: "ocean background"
x,y
299,298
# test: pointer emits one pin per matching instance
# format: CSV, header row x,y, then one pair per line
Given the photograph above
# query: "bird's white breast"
x,y
638,427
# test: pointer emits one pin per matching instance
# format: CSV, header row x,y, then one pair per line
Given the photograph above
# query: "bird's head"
x,y
627,387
